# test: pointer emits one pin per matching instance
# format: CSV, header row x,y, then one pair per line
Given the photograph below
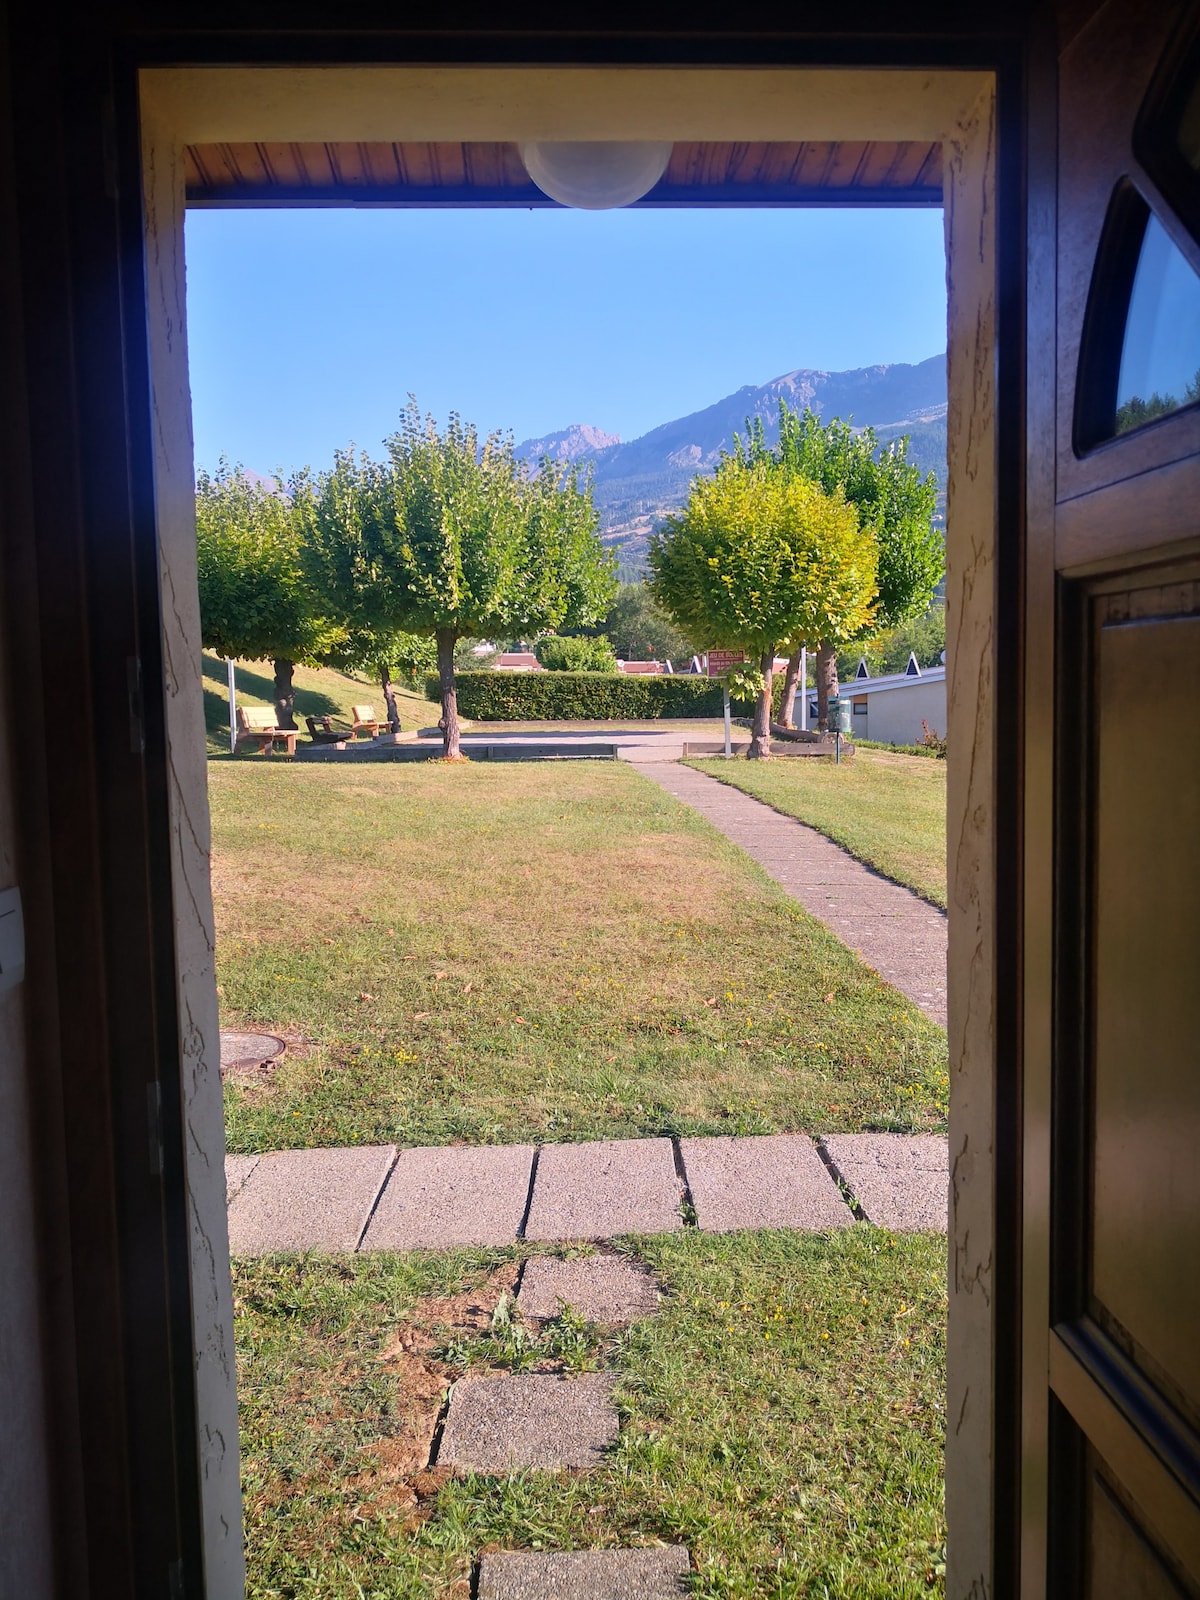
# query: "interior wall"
x,y
219,104
26,1537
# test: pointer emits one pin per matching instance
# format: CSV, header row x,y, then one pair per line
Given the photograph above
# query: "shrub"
x,y
580,696
557,654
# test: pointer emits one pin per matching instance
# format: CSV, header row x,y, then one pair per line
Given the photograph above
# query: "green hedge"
x,y
579,696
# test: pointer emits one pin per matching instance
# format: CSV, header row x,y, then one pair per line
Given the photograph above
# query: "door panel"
x,y
1121,1382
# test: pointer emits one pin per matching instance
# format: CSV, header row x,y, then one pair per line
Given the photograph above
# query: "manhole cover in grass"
x,y
242,1050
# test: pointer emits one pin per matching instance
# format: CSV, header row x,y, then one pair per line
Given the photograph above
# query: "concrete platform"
x,y
460,1195
598,1191
901,1181
536,1421
237,1171
654,1574
600,1288
308,1200
775,1180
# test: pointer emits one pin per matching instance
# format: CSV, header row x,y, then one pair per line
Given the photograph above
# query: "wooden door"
x,y
1111,1480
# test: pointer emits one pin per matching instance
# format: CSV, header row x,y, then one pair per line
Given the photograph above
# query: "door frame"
x,y
130,186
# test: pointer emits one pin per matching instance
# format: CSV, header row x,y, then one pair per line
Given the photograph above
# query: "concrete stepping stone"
x,y
654,1574
901,1181
775,1180
458,1195
533,1421
600,1288
237,1171
597,1191
308,1200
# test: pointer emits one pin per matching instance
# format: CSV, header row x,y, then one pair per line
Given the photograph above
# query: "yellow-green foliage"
x,y
760,559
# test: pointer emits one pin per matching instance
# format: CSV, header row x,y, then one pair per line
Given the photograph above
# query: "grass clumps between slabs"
x,y
782,1415
549,952
887,810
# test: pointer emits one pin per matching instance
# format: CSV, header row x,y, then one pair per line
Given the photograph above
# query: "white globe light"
x,y
596,175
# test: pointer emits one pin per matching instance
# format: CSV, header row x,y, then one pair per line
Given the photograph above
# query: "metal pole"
x,y
232,709
804,689
728,745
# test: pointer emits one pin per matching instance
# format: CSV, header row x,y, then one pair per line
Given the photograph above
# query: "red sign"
x,y
720,661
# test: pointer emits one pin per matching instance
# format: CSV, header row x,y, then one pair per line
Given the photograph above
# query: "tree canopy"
x,y
453,537
760,560
255,601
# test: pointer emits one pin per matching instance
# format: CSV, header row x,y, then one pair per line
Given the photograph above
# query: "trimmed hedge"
x,y
579,696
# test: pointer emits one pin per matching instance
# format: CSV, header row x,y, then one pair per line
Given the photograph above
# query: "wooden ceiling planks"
x,y
749,174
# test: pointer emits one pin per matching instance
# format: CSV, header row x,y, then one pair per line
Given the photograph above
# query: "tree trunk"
x,y
827,683
791,679
389,698
445,653
760,742
285,695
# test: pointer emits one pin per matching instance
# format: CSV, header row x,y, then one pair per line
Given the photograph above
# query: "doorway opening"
x,y
229,109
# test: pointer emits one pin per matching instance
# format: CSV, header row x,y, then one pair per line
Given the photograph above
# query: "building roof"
x,y
853,687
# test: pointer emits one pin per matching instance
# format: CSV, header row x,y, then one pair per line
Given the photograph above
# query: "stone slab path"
x,y
894,930
767,1181
372,1198
529,1422
598,1287
598,1191
654,1574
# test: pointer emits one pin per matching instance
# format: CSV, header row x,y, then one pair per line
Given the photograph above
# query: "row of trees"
x,y
816,541
386,565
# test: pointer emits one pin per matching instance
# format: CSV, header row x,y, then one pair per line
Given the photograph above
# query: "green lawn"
x,y
888,810
320,692
552,951
782,1415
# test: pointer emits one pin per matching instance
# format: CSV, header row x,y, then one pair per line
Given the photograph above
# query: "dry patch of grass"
x,y
554,951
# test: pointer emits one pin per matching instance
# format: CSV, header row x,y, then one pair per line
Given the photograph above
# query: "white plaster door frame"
x,y
187,105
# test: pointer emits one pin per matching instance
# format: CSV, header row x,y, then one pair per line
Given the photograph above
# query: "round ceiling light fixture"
x,y
596,175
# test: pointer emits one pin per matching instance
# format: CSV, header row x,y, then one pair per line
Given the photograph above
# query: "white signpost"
x,y
232,709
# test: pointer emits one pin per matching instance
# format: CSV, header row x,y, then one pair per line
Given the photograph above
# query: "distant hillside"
x,y
637,483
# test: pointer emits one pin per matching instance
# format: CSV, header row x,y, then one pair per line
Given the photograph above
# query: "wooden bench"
x,y
257,731
365,721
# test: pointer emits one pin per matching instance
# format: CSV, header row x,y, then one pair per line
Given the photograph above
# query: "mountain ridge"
x,y
639,481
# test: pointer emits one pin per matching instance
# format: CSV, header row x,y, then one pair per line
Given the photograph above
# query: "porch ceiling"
x,y
903,172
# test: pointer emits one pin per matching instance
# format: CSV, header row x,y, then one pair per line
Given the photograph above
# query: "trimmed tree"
x,y
451,538
255,602
891,497
759,559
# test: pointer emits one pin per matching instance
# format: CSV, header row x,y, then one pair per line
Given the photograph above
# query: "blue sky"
x,y
307,329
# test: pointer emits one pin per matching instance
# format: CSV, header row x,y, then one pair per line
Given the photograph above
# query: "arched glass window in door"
x,y
1141,346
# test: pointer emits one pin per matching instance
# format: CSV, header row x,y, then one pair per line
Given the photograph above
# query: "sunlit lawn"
x,y
782,1416
888,810
553,951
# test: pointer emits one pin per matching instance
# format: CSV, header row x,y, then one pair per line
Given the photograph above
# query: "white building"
x,y
891,709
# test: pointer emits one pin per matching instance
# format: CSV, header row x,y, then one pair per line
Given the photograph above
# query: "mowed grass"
x,y
551,951
888,810
320,692
782,1416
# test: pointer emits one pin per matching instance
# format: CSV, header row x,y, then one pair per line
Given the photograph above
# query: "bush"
x,y
579,696
557,654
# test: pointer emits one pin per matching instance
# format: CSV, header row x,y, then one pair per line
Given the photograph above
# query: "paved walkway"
x,y
902,936
378,1198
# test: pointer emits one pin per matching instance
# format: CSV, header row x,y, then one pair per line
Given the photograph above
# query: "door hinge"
x,y
137,724
154,1129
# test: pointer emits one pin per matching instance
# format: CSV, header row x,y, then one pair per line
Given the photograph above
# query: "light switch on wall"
x,y
12,939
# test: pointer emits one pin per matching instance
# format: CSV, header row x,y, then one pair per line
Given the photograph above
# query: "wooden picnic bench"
x,y
365,720
257,731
